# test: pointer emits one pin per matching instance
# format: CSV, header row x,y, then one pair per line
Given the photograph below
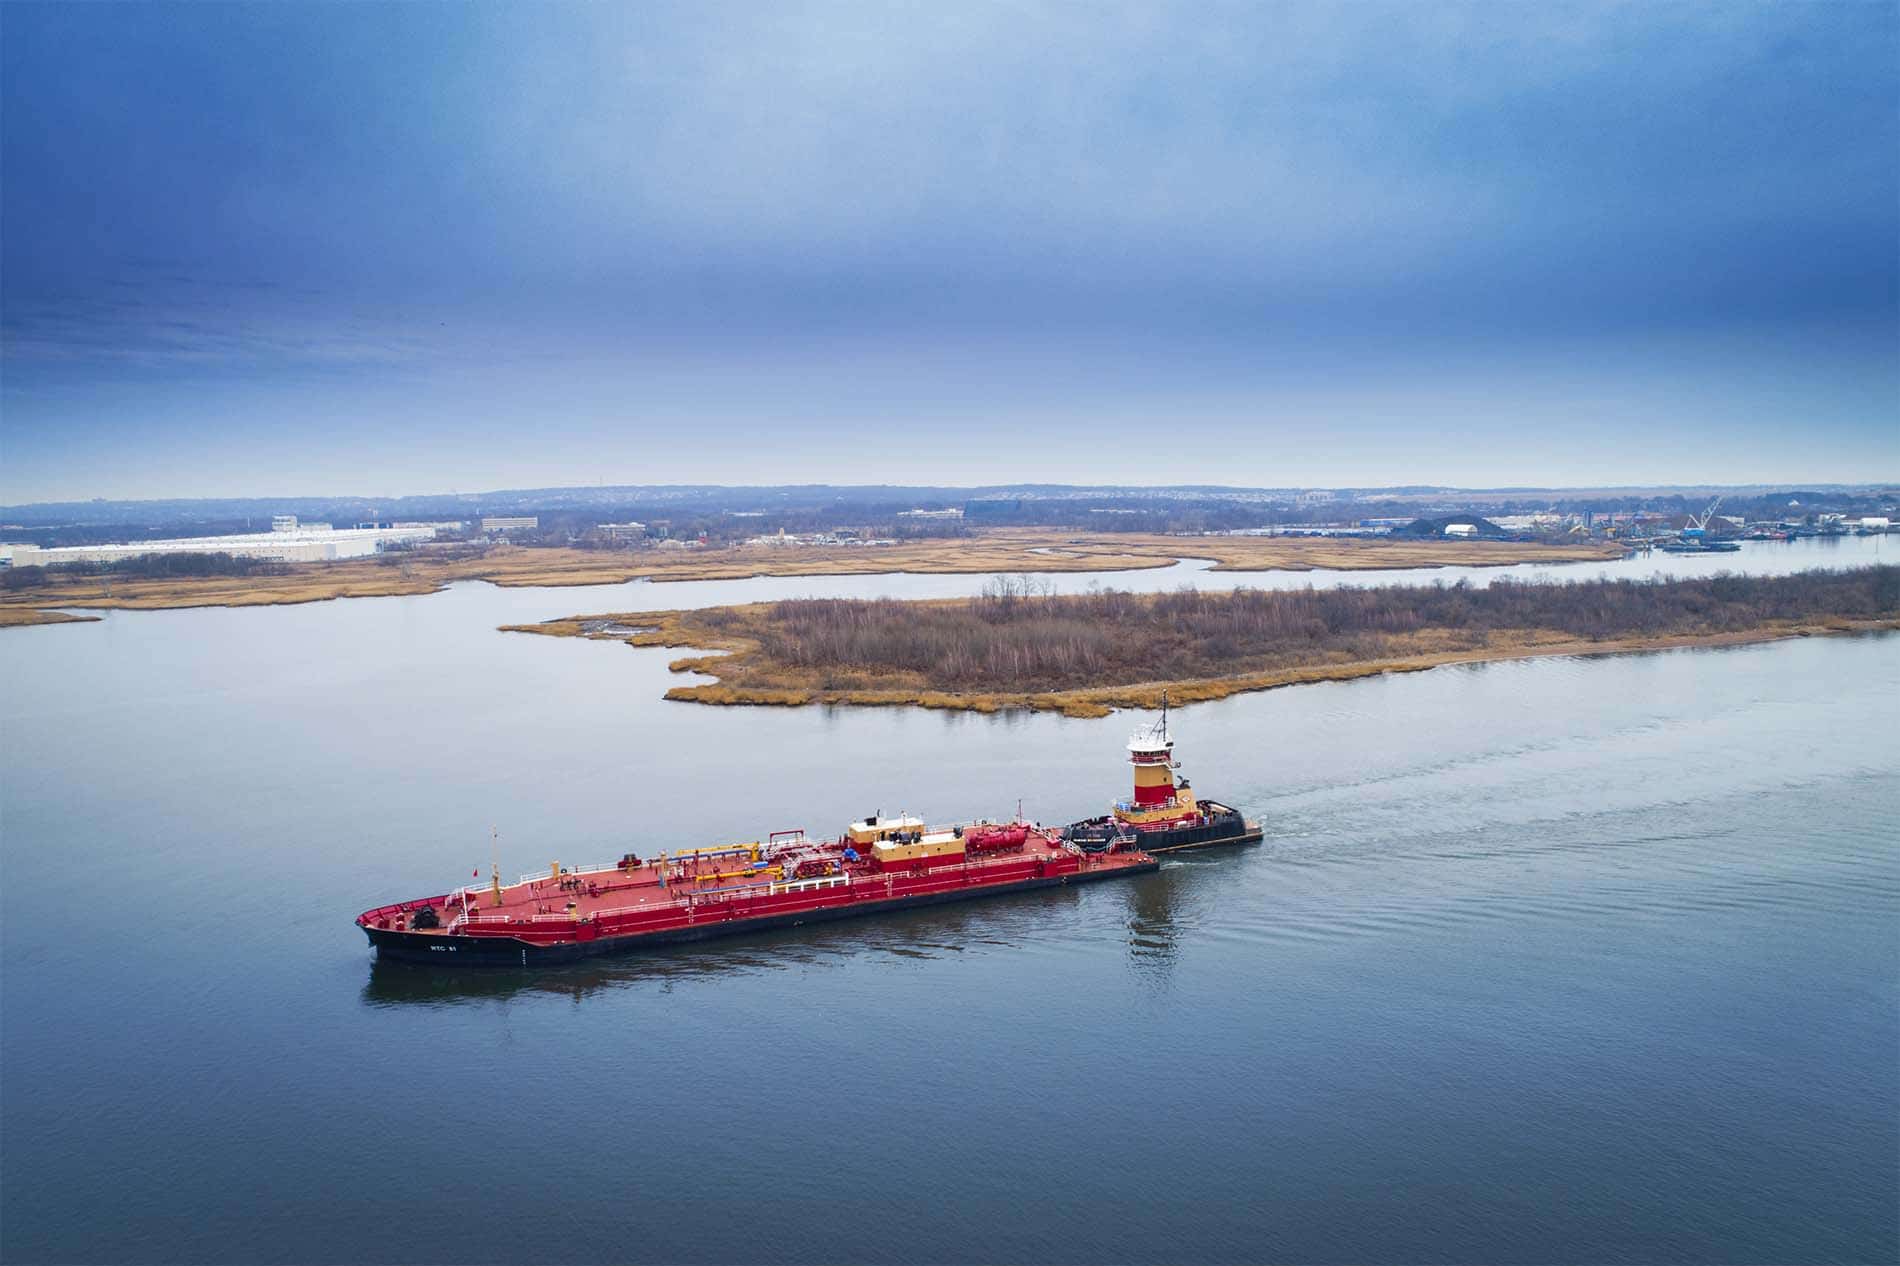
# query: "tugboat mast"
x,y
1151,752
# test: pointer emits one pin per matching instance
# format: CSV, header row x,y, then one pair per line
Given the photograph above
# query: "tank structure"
x,y
878,865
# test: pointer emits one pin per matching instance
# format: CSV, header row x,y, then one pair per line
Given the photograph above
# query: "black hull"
x,y
1209,838
1226,829
497,951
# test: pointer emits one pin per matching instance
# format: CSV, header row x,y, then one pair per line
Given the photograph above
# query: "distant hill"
x,y
739,497
567,512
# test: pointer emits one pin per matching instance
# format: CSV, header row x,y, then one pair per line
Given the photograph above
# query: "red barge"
x,y
878,865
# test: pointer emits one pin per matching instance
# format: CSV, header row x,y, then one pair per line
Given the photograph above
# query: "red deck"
x,y
745,883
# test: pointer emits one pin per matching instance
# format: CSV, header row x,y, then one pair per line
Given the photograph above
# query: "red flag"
x,y
477,872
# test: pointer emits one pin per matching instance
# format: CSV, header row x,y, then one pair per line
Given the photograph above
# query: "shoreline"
x,y
1008,551
733,653
27,617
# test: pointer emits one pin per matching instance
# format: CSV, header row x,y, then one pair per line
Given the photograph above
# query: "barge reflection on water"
x,y
1005,927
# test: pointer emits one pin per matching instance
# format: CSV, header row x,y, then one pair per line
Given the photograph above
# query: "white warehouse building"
x,y
295,545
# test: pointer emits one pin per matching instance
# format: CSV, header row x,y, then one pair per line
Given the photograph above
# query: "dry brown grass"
x,y
1266,553
1001,550
21,617
308,582
746,673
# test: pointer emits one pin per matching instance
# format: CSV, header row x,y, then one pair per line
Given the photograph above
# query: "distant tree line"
x,y
723,515
1016,636
147,567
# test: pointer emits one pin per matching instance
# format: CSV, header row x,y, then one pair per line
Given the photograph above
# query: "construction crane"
x,y
1699,526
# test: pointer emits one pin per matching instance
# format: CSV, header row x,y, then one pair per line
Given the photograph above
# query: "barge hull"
x,y
491,951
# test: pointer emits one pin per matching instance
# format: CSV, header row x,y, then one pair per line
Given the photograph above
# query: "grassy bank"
x,y
21,617
1085,654
1005,550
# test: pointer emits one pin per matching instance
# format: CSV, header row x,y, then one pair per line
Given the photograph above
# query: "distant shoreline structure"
x,y
292,543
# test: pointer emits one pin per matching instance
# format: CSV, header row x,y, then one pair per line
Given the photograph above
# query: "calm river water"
x,y
1549,960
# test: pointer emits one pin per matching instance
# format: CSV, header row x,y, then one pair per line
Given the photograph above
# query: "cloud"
x,y
632,219
141,322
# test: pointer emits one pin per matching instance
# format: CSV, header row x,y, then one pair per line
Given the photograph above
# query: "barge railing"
x,y
534,875
942,879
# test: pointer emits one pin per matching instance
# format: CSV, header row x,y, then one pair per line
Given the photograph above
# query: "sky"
x,y
379,248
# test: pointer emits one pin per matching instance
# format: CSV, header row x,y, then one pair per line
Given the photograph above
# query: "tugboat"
x,y
1164,816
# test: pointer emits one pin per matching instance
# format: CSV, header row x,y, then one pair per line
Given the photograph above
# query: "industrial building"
x,y
524,523
288,544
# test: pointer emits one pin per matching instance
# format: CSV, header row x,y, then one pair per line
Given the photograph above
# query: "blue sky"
x,y
384,248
